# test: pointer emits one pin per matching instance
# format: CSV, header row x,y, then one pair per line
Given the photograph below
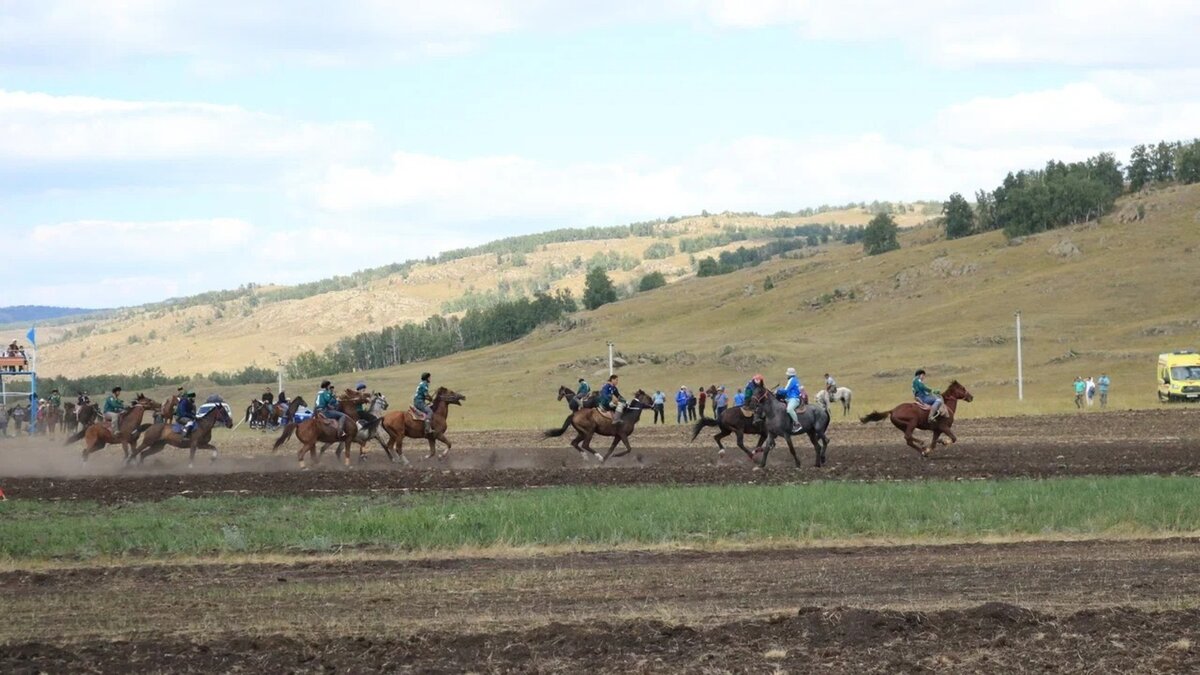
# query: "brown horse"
x,y
589,400
348,404
70,419
739,420
401,424
319,429
100,435
163,434
591,421
86,414
51,420
167,412
909,417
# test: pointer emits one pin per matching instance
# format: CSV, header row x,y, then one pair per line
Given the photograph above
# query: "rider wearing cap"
x,y
421,400
610,398
364,406
113,406
792,391
583,391
327,406
924,394
185,412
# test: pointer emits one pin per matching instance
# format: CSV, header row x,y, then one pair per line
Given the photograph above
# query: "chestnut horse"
x,y
401,424
86,414
591,421
735,420
99,435
162,434
909,417
319,429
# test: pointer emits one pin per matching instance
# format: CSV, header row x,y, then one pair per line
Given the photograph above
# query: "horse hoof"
x,y
191,466
721,452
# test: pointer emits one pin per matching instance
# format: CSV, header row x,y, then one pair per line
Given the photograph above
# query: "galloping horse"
x,y
167,412
591,421
50,420
909,417
589,400
814,421
735,420
87,414
842,394
378,406
401,424
163,434
318,429
70,418
97,436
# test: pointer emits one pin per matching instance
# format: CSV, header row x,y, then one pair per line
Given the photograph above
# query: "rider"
x,y
793,394
268,398
924,394
364,405
327,406
55,399
583,391
755,385
185,412
830,385
610,398
113,406
421,400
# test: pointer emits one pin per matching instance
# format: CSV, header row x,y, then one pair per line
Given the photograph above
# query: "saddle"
x,y
416,414
746,411
177,428
606,414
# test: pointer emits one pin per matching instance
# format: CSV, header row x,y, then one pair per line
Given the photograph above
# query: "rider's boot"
x,y
428,427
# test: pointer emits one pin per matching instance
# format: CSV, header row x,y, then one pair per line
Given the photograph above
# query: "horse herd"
x,y
765,417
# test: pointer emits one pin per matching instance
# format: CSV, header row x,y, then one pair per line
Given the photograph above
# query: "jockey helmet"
x,y
361,385
791,372
758,378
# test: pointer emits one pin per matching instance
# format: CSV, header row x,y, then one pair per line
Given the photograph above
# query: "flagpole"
x,y
33,399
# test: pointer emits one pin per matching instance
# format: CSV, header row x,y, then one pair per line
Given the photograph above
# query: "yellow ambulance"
x,y
1179,376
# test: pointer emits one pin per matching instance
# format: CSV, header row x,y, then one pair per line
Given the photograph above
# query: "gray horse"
x,y
843,394
814,420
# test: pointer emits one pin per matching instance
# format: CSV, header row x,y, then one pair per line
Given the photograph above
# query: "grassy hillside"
x,y
1100,297
200,335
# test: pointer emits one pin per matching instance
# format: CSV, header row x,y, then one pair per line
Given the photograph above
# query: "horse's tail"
x,y
287,433
875,416
75,436
703,422
555,433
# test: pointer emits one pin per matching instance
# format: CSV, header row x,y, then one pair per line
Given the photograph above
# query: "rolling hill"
x,y
1098,297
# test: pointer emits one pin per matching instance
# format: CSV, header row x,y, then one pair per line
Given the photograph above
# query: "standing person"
x,y
924,394
1079,387
691,405
113,406
327,405
1090,388
422,399
1102,384
681,400
660,400
792,393
702,398
720,402
739,399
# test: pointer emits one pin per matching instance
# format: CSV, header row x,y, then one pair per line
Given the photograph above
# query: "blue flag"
x,y
32,336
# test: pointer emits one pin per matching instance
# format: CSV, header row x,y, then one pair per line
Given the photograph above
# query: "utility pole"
x,y
610,359
1020,374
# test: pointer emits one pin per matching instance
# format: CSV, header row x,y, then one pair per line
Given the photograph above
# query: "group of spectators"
x,y
15,351
1086,389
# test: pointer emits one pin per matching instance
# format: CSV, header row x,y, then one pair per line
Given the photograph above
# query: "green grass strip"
x,y
604,517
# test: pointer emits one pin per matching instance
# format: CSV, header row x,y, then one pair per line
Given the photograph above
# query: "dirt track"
x,y
1144,442
969,608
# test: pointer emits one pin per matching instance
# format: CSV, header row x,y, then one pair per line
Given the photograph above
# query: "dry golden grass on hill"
x,y
1127,294
229,336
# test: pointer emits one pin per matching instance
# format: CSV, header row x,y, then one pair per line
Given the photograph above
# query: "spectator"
x,y
702,398
659,400
739,399
1102,384
681,400
720,402
691,405
1079,390
1090,388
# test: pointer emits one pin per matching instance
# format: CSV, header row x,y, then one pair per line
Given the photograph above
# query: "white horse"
x,y
842,394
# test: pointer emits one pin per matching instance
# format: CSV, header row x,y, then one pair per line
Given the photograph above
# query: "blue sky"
x,y
203,145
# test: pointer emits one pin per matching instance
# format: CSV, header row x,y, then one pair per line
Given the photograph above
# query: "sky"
x,y
158,148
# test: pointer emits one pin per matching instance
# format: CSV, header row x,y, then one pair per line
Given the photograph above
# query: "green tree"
x,y
985,211
708,267
880,235
1187,163
1163,162
960,220
598,289
1139,169
652,281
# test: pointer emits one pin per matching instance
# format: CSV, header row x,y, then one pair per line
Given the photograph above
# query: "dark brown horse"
x,y
318,429
589,400
908,417
70,418
163,434
401,424
87,414
100,435
739,420
589,422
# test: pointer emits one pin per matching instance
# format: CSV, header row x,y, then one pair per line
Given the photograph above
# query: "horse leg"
x,y
912,442
722,434
611,447
741,443
441,436
587,443
953,438
624,438
932,442
792,449
817,449
765,450
575,443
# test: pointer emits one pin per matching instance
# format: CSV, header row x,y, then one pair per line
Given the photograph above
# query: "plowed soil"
x,y
974,608
1109,443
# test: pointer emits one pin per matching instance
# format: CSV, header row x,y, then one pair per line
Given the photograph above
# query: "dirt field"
x,y
1143,442
1116,606
974,608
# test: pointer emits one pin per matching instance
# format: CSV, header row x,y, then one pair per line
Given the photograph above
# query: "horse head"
x,y
564,392
643,399
449,396
378,400
957,391
222,415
